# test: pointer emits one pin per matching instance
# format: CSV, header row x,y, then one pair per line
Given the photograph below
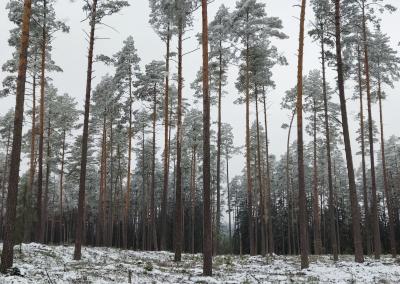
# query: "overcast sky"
x,y
70,51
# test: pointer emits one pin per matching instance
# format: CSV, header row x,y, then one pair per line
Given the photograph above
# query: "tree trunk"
x,y
3,179
268,208
8,238
207,238
389,198
178,191
248,152
46,189
374,211
263,218
85,136
332,217
367,223
128,182
40,226
193,197
355,213
153,171
300,155
62,189
229,203
316,212
288,188
163,241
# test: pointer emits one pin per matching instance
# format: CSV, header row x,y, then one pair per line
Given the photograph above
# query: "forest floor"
x,y
53,264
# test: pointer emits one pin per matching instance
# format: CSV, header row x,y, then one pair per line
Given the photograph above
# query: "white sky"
x,y
70,53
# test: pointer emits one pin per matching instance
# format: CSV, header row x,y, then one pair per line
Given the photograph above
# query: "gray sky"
x,y
70,53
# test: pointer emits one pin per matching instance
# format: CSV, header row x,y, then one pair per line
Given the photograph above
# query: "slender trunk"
x,y
193,196
332,218
263,218
268,208
178,191
129,175
248,151
153,177
229,203
100,230
163,241
288,187
85,136
300,149
220,74
355,211
10,218
387,189
367,223
207,238
46,189
316,212
3,179
374,211
62,188
40,226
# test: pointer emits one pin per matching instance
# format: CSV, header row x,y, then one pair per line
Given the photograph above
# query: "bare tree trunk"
x,y
248,153
288,188
355,211
62,189
367,223
207,238
268,183
85,136
8,238
3,179
300,150
263,217
163,241
316,212
193,196
46,190
129,175
229,204
387,189
40,226
374,211
332,217
153,181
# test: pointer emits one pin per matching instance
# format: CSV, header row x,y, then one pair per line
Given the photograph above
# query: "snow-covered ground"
x,y
53,264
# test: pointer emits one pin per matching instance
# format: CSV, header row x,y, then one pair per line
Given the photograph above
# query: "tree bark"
x,y
62,189
300,151
39,227
389,197
332,217
163,241
355,213
153,171
374,211
207,230
178,190
85,136
10,218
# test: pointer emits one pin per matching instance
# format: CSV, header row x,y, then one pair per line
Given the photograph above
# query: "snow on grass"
x,y
53,264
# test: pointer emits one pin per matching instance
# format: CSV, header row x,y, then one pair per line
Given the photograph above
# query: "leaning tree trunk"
x,y
300,146
163,240
207,237
40,227
10,218
355,213
374,209
332,215
178,191
388,192
85,136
